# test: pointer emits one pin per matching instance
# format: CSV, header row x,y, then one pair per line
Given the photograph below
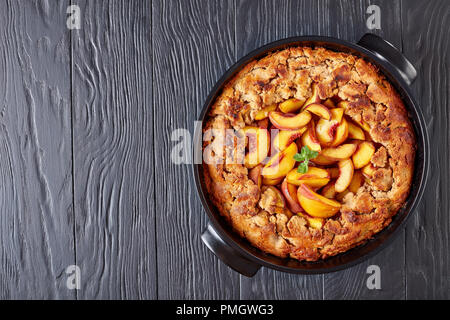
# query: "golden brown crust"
x,y
371,98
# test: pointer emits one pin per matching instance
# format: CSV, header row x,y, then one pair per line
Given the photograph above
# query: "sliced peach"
x,y
334,172
264,112
272,182
309,138
290,194
368,136
285,137
368,171
337,114
329,191
345,175
363,154
314,97
289,121
341,133
363,124
258,145
343,104
291,105
326,129
281,163
342,152
316,205
319,110
315,177
263,124
255,175
323,161
329,104
316,223
357,182
355,132
288,213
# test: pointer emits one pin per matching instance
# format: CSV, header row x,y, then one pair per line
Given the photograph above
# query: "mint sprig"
x,y
303,157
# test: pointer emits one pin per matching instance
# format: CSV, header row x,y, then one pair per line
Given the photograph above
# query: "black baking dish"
x,y
237,252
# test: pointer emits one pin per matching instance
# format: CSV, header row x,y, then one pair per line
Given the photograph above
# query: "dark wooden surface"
x,y
85,123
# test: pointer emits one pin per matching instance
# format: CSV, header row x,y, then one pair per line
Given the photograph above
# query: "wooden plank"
x,y
193,44
36,216
352,283
113,148
426,44
265,21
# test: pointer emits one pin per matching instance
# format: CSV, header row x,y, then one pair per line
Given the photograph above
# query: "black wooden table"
x,y
86,117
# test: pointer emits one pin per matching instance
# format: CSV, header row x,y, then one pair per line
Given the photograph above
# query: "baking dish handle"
x,y
386,51
227,254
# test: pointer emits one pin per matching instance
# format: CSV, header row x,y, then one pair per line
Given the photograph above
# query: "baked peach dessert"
x,y
308,152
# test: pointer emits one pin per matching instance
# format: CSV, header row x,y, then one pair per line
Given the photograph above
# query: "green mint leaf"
x,y
299,157
303,167
313,154
304,152
303,157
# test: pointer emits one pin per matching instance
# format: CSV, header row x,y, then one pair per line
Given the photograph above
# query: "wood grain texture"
x,y
134,72
193,44
426,42
36,217
262,22
113,148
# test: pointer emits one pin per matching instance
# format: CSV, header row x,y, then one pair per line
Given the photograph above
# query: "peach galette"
x,y
326,149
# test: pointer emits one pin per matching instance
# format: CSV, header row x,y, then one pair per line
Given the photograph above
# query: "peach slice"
x,y
255,175
368,171
316,205
319,110
357,182
271,182
290,105
337,114
315,177
364,125
355,132
316,223
309,138
361,122
334,172
342,152
314,97
326,129
289,121
285,137
345,175
329,104
363,154
264,112
258,145
323,161
343,104
341,133
263,124
281,163
329,191
290,194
